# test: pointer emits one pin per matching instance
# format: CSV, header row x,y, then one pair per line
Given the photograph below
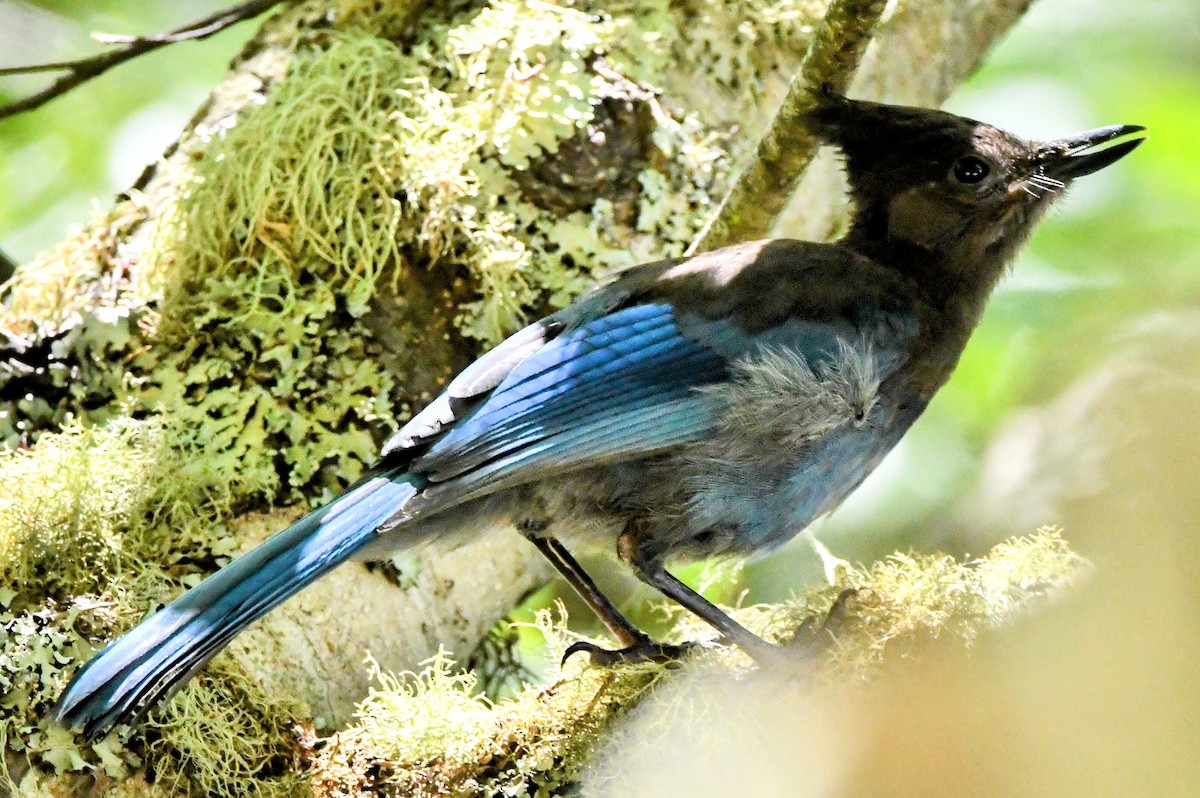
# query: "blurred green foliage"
x,y
93,142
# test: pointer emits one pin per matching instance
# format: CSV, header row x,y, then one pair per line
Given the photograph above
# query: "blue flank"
x,y
123,681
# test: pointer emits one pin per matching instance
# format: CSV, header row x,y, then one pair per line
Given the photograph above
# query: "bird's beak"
x,y
1076,156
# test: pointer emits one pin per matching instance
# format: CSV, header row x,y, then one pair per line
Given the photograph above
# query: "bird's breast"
x,y
794,439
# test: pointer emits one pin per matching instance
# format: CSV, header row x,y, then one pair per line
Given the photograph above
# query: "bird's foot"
x,y
641,650
816,635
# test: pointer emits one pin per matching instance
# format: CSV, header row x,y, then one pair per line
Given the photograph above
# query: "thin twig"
x,y
84,69
762,189
28,69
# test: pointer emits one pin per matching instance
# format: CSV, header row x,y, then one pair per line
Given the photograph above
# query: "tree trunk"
x,y
374,194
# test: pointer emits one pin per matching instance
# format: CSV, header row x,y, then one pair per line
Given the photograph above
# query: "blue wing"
x,y
614,376
614,387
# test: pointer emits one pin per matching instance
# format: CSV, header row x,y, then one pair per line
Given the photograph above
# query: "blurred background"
x,y
1077,402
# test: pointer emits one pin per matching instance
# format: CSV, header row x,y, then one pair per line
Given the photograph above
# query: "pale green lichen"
x,y
228,736
70,318
69,507
908,597
526,67
65,510
47,295
740,43
432,734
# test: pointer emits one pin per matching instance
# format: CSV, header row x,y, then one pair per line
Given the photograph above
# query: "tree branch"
x,y
762,190
84,69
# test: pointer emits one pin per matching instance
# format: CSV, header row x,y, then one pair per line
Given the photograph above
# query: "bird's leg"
x,y
652,572
599,603
636,646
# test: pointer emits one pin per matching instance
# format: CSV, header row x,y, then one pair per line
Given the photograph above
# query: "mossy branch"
x,y
431,734
765,185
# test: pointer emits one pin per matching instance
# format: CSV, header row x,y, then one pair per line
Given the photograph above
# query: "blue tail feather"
x,y
133,673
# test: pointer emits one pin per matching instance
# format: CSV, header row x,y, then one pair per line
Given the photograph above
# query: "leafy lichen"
x,y
393,148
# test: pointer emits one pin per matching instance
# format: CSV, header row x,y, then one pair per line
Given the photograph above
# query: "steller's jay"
x,y
695,407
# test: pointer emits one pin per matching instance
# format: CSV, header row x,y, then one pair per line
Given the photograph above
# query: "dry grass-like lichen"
x,y
431,734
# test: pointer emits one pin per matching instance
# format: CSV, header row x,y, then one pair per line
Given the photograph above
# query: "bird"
x,y
690,408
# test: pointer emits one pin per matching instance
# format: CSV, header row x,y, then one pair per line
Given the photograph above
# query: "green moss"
x,y
432,734
66,506
83,554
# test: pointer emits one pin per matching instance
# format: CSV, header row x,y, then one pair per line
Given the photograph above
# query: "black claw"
x,y
837,613
813,636
645,650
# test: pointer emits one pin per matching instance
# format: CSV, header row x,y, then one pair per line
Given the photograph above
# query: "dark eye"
x,y
970,170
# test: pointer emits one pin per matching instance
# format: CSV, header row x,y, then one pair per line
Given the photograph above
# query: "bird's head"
x,y
931,186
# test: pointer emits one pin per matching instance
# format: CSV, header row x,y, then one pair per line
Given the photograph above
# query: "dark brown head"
x,y
946,196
